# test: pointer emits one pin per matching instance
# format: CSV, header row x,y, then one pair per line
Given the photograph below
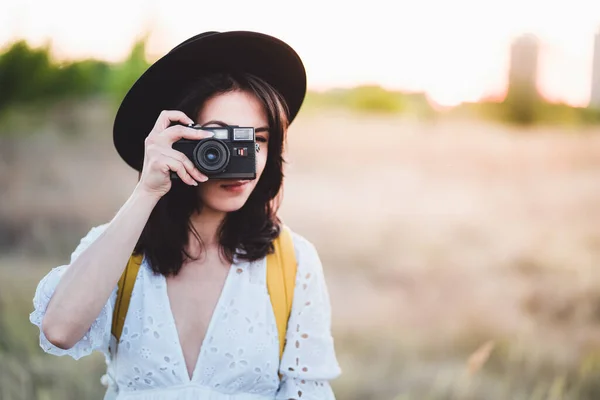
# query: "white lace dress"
x,y
239,358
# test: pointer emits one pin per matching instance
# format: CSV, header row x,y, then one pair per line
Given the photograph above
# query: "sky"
x,y
454,50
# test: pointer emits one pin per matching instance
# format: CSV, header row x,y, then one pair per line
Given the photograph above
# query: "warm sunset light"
x,y
455,50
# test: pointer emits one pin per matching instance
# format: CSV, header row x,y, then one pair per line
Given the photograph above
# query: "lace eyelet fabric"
x,y
239,357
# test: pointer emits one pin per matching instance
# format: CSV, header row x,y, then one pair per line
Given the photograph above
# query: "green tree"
x,y
29,75
82,78
25,74
124,75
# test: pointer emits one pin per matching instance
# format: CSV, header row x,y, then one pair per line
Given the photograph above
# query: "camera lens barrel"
x,y
211,156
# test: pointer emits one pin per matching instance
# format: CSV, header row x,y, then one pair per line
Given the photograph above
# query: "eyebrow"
x,y
223,124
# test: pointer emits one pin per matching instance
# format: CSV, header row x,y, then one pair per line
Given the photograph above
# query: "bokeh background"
x,y
446,164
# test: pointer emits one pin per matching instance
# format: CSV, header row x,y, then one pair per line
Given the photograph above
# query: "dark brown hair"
x,y
247,233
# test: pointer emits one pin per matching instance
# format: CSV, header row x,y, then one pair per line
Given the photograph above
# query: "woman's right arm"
x,y
87,282
69,303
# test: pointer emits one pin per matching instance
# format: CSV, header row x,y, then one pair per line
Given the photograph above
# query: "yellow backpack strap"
x,y
124,290
281,280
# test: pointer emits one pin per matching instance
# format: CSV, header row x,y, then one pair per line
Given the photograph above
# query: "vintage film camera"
x,y
230,154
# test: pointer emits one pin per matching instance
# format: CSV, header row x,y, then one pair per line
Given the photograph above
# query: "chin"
x,y
227,206
218,199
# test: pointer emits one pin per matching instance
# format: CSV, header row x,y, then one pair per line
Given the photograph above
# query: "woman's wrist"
x,y
144,196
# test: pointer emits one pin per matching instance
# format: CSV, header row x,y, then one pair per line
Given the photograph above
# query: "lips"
x,y
235,187
234,184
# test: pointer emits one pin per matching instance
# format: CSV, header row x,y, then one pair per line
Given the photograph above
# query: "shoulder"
x,y
310,276
306,253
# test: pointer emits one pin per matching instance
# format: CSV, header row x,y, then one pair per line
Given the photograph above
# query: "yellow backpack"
x,y
281,279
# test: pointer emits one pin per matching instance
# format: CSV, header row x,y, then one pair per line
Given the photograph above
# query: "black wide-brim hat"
x,y
164,82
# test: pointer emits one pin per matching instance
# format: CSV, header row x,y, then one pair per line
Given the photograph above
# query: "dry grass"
x,y
461,257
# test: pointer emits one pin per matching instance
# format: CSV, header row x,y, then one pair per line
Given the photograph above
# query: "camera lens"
x,y
211,156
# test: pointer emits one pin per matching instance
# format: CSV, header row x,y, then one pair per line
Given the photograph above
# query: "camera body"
x,y
230,154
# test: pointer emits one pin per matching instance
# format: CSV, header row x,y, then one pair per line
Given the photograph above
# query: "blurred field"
x,y
461,256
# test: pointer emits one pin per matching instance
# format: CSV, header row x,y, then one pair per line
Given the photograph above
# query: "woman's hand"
x,y
160,158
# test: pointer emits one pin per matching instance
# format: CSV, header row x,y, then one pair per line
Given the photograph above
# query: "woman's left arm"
x,y
309,361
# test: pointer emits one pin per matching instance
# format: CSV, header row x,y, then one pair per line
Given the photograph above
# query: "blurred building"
x,y
595,95
522,78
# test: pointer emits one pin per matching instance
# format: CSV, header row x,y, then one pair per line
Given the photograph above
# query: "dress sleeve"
x,y
98,336
309,361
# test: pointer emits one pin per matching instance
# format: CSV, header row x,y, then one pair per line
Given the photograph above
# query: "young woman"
x,y
200,323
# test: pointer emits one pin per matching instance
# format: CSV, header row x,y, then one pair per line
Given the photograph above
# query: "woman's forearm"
x,y
88,282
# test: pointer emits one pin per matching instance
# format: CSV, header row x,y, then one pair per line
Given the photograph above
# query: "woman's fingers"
x,y
171,164
161,161
167,117
176,132
189,165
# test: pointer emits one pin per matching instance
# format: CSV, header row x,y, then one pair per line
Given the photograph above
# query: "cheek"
x,y
205,189
210,192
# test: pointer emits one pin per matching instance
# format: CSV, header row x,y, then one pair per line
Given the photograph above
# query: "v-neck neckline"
x,y
209,329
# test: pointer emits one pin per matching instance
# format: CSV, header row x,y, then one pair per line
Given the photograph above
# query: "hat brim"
x,y
160,87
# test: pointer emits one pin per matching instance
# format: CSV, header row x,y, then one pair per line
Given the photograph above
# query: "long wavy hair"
x,y
247,233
